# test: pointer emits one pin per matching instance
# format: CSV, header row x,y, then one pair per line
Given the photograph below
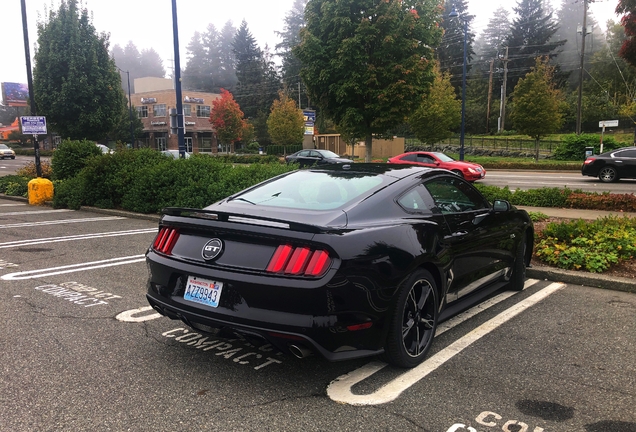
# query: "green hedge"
x,y
145,181
279,150
71,156
14,185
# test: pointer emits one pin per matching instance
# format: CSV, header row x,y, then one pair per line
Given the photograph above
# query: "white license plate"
x,y
203,291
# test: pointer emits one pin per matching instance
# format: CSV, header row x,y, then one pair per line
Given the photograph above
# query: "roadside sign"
x,y
33,125
608,123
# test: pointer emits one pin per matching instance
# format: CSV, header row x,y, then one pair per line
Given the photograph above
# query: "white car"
x,y
104,149
174,154
6,152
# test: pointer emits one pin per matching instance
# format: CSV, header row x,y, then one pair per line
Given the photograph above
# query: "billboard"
x,y
15,94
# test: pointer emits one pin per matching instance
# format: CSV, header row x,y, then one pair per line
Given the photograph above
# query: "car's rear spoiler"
x,y
241,218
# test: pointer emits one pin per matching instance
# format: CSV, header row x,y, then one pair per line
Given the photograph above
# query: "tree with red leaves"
x,y
627,8
227,118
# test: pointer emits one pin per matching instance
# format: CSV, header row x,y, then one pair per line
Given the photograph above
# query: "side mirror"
x,y
501,206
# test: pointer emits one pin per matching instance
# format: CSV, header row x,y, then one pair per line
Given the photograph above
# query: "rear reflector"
x,y
363,326
165,241
299,261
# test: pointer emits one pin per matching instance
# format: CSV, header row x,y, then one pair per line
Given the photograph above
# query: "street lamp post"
x,y
462,132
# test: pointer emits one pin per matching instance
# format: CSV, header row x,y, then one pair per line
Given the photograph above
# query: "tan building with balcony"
x,y
153,107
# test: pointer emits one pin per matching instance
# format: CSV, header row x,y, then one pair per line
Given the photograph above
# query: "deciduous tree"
x,y
439,113
367,64
76,84
537,104
227,118
285,123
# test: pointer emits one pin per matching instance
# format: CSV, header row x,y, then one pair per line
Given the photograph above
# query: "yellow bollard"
x,y
40,191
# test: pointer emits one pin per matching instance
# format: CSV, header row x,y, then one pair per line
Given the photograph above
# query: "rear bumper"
x,y
279,311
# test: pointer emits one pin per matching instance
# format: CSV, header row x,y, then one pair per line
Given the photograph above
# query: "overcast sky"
x,y
148,24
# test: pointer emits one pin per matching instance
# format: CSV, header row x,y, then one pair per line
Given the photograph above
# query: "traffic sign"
x,y
33,125
608,123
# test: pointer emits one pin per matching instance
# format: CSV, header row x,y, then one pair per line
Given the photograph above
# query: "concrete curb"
x,y
582,278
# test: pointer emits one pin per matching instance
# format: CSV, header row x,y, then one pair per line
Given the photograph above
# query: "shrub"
x,y
14,185
544,197
30,171
590,245
572,147
71,156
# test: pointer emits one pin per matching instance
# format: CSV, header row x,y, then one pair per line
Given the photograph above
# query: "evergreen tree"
x,y
76,83
139,65
196,76
570,18
495,35
226,72
368,64
531,36
290,69
451,50
255,89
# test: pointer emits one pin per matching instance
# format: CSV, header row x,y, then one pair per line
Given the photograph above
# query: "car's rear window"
x,y
314,190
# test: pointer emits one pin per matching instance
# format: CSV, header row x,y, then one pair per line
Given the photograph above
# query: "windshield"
x,y
313,190
3,146
443,157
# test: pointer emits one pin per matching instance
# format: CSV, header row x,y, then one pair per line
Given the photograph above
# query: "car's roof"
x,y
610,152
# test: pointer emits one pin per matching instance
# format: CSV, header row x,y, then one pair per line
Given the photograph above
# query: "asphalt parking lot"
x,y
81,350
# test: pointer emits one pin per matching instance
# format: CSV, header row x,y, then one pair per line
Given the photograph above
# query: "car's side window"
x,y
626,154
425,159
452,195
409,158
304,153
415,200
314,154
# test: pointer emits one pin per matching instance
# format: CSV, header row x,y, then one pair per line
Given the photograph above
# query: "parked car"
x,y
174,154
104,149
467,170
345,261
316,157
6,152
611,166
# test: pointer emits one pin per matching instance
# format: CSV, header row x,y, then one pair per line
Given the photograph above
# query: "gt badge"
x,y
212,249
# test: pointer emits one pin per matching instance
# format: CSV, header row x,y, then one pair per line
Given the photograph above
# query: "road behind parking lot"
x,y
80,350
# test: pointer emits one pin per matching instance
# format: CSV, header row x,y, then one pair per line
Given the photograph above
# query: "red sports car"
x,y
467,170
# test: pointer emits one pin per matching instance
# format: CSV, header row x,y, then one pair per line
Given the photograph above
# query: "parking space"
x,y
80,350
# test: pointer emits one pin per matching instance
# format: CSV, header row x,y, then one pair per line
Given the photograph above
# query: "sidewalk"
x,y
575,213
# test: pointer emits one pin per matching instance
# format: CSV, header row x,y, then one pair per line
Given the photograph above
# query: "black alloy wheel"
x,y
608,174
413,322
458,173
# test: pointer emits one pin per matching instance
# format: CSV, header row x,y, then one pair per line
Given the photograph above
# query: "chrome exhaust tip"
x,y
299,351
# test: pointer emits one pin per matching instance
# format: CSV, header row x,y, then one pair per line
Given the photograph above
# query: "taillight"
x,y
589,161
299,261
165,240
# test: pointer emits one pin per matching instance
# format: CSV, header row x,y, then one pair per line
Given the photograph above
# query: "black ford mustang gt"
x,y
346,260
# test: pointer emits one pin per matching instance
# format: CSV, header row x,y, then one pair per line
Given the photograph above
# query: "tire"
x,y
608,174
518,278
458,173
413,321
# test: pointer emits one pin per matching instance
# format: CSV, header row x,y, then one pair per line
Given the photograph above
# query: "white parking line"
x,y
59,222
340,389
52,271
30,242
12,205
30,212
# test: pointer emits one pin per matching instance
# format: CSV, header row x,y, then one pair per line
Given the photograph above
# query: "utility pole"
x,y
579,104
177,82
492,64
503,92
